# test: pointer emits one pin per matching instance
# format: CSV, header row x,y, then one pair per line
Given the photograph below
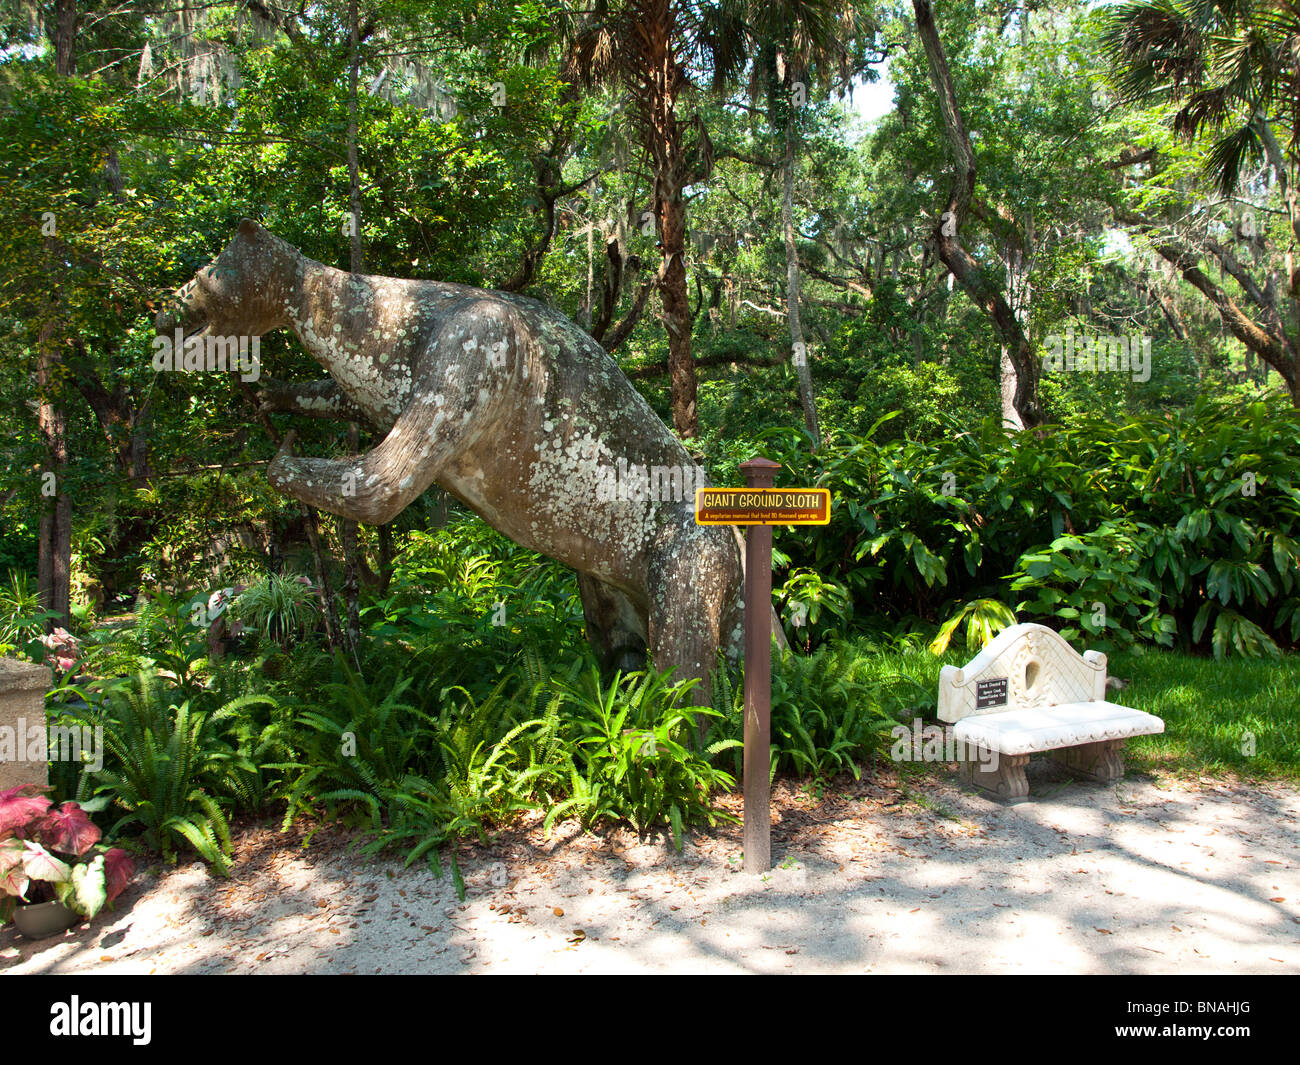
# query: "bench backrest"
x,y
1024,666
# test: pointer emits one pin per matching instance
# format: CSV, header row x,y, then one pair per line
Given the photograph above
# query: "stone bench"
x,y
1030,691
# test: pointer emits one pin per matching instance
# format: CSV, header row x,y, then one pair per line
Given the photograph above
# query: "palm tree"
x,y
659,52
1232,67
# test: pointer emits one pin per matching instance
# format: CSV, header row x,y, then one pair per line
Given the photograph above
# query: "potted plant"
x,y
52,869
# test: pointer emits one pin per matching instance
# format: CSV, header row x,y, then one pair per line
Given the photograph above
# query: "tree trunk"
x,y
1291,196
65,36
54,551
803,372
584,312
675,300
385,558
348,532
354,165
324,588
1018,297
1007,392
983,293
665,80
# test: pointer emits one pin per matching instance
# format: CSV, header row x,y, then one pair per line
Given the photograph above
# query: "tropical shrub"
x,y
469,605
22,621
984,618
1094,583
279,608
1183,529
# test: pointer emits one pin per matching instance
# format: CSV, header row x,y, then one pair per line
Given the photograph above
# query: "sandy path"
x,y
1145,877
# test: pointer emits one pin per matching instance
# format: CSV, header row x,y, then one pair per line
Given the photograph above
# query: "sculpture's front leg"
x,y
372,488
454,400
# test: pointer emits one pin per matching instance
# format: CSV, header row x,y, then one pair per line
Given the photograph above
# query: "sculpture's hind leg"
x,y
616,629
694,586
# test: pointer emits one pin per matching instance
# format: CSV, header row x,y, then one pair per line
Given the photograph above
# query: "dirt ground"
x,y
890,875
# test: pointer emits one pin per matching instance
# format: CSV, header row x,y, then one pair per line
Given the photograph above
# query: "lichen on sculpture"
x,y
511,409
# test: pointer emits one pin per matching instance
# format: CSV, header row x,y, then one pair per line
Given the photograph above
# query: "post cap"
x,y
759,472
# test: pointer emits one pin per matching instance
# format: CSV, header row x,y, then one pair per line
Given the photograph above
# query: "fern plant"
x,y
638,756
492,769
356,740
831,710
166,764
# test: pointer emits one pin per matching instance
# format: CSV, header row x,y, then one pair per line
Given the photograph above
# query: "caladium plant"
x,y
52,852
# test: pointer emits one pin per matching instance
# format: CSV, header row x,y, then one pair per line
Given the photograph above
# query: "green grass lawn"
x,y
1209,707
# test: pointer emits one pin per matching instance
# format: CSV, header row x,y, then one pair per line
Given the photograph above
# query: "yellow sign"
x,y
762,506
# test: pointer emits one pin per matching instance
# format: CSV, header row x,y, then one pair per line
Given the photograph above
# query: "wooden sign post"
x,y
759,506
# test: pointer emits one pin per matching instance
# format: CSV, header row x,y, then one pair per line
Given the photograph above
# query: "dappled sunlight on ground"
x,y
890,875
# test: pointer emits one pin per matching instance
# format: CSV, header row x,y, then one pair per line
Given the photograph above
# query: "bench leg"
x,y
1102,762
1006,782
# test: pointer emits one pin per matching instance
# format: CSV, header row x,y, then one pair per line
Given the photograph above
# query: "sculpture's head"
x,y
242,292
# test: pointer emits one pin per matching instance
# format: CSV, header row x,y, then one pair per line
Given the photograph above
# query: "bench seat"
x,y
1035,729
